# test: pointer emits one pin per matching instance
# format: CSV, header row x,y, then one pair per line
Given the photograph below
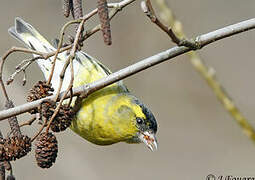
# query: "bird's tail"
x,y
30,37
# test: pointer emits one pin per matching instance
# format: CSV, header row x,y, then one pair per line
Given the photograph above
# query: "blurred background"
x,y
196,135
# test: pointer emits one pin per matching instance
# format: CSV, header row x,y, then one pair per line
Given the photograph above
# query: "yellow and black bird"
x,y
107,116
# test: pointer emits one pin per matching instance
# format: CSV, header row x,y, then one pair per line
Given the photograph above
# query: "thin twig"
x,y
4,89
24,80
71,56
61,77
20,68
207,72
50,54
40,130
85,18
113,12
71,97
202,40
39,117
29,122
60,44
149,11
25,61
117,7
70,60
3,59
13,122
62,32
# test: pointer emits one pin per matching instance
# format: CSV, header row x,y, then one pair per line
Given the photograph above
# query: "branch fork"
x,y
147,8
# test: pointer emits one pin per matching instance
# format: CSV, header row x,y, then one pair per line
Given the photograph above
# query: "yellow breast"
x,y
99,120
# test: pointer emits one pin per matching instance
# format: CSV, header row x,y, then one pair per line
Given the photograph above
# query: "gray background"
x,y
196,135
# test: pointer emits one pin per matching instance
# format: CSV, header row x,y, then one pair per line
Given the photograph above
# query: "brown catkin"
x,y
105,21
66,7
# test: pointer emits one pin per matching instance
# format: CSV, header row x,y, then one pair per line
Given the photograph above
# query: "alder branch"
x,y
72,47
70,60
29,122
149,11
147,8
13,121
22,68
117,7
3,59
201,40
60,43
208,73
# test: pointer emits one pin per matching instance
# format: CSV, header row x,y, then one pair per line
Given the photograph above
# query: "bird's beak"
x,y
149,139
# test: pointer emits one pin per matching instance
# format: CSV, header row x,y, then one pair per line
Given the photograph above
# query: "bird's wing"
x,y
90,70
32,39
86,68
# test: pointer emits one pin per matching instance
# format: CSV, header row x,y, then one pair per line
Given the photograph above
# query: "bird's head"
x,y
132,121
144,122
147,127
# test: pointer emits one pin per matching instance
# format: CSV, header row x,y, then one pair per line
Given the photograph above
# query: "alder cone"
x,y
46,150
48,108
62,120
40,90
14,148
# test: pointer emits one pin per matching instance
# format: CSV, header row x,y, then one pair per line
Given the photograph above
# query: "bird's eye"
x,y
139,120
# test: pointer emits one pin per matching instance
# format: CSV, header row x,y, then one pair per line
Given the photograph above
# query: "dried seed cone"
x,y
48,108
46,150
40,90
14,148
62,120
